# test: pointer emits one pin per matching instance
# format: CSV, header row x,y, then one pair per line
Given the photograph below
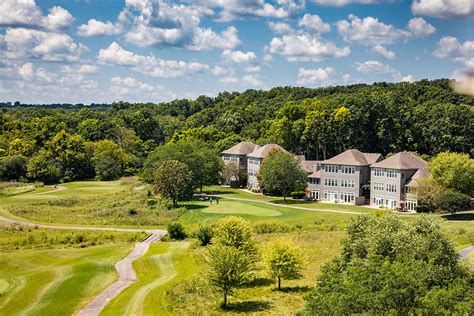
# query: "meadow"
x,y
37,266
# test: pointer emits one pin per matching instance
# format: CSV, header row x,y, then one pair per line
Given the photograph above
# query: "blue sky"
x,y
83,51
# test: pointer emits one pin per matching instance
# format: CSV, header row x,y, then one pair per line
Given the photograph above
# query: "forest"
x,y
50,144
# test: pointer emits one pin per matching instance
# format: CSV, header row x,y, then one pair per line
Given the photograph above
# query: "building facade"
x,y
394,181
341,179
238,155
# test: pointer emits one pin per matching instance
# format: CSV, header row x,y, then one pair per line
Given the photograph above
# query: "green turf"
x,y
56,281
165,265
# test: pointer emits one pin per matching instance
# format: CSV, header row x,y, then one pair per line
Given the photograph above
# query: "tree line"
x,y
59,144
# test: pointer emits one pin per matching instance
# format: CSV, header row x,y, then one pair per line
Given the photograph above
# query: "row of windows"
x,y
330,182
341,169
346,183
389,173
390,203
411,190
345,197
253,161
379,186
228,158
313,181
252,172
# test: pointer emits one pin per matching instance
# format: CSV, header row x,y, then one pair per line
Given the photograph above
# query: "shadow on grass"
x,y
248,306
459,217
261,282
294,289
193,206
291,202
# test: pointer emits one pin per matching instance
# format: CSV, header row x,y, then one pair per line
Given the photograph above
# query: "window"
x,y
391,203
226,158
331,168
411,204
378,186
345,183
330,196
378,201
391,187
391,173
330,182
379,172
347,197
411,190
348,169
312,181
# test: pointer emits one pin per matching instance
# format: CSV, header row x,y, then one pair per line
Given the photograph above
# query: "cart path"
x,y
292,206
57,189
465,252
124,267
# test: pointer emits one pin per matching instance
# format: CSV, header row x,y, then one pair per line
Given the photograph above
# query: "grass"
x,y
162,268
55,281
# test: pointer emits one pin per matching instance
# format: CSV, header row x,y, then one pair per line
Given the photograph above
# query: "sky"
x,y
101,51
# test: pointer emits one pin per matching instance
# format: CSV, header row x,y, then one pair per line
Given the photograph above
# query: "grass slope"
x,y
55,281
164,266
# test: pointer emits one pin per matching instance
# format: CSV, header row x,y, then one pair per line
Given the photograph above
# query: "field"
x,y
41,265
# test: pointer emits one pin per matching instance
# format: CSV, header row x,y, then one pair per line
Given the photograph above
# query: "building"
x,y
238,155
342,178
394,181
255,159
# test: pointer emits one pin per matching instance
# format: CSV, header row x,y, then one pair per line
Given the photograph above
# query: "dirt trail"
x,y
57,189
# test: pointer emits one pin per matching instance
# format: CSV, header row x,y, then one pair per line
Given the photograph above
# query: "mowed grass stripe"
x,y
165,264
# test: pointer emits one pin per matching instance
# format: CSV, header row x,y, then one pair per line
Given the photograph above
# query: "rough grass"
x,y
55,281
14,188
17,237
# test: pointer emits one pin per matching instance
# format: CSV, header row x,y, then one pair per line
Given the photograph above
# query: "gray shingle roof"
x,y
420,174
243,148
316,174
262,152
308,165
403,160
352,157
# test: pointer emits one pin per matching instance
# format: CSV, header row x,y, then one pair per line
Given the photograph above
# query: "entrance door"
x,y
315,195
391,203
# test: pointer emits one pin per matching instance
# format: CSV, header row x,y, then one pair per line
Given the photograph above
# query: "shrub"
x,y
132,211
205,234
422,208
297,194
176,231
270,227
452,201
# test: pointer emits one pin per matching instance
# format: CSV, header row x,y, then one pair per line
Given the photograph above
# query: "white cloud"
x,y
408,78
234,9
157,23
373,66
26,71
450,47
369,31
95,28
229,80
305,47
420,28
24,43
80,69
379,49
238,57
346,78
312,76
255,68
246,80
340,3
443,8
219,71
149,65
130,82
280,28
314,23
27,14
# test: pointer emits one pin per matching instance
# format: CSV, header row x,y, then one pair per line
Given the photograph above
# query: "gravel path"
x,y
58,188
124,267
466,251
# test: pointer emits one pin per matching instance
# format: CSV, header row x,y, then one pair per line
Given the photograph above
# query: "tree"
x,y
281,173
12,167
283,260
43,167
388,265
232,170
173,180
228,268
108,160
205,234
176,231
232,255
452,201
455,171
427,191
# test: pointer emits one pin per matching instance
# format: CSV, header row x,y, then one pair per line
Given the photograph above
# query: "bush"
x,y
132,211
422,208
298,194
452,201
270,227
205,234
176,231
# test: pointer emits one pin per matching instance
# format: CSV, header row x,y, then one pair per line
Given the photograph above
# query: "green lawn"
x,y
163,267
55,281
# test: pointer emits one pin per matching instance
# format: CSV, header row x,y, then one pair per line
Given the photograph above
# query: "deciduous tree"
x,y
173,180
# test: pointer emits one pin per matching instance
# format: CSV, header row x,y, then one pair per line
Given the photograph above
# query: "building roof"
x,y
307,165
316,174
420,174
403,160
352,157
262,152
243,148
373,157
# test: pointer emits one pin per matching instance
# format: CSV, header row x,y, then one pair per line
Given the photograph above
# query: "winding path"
x,y
124,267
57,189
465,252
